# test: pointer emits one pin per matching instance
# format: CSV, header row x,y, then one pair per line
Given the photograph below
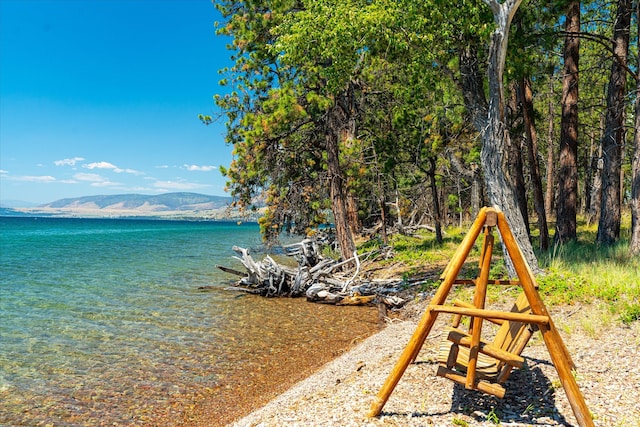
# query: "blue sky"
x,y
103,97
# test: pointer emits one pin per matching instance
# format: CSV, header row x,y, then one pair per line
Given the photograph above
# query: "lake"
x,y
102,322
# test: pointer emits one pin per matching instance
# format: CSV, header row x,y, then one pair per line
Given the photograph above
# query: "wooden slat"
x,y
461,338
490,282
464,304
485,314
484,386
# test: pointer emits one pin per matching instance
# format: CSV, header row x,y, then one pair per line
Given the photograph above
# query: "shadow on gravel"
x,y
530,399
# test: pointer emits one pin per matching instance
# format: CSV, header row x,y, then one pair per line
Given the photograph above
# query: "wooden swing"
x,y
468,359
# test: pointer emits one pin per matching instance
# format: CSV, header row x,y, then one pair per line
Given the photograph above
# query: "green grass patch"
x,y
576,272
582,271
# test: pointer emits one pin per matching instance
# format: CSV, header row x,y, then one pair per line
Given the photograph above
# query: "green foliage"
x,y
630,313
293,62
583,272
459,422
397,63
498,270
493,417
328,252
422,250
557,288
577,272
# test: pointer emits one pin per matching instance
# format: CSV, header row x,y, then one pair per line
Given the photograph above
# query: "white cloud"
x,y
105,183
131,171
43,179
89,177
68,162
178,185
100,165
2,171
204,168
111,166
94,179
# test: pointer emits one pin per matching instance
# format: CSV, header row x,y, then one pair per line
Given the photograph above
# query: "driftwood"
x,y
319,279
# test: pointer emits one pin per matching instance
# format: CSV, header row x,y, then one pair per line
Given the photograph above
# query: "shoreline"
x,y
341,392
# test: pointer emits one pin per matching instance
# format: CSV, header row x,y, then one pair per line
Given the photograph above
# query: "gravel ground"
x,y
340,394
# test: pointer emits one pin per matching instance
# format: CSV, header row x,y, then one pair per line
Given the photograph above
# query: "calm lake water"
x,y
102,321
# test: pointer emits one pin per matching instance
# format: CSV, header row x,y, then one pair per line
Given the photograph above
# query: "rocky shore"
x,y
606,353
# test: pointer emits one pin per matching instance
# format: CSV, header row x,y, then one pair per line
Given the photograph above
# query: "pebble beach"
x,y
341,392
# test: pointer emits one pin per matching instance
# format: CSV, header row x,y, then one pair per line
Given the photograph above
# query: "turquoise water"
x,y
102,322
80,298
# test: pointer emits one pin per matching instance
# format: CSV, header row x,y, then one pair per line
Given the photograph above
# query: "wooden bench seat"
x,y
495,359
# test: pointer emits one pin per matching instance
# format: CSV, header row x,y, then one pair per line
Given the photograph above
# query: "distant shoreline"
x,y
204,215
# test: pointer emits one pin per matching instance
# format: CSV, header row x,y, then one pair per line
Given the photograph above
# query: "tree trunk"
x,y
613,138
596,186
489,122
494,134
473,174
550,191
566,224
515,166
336,120
476,190
380,197
436,202
588,178
347,137
634,244
532,150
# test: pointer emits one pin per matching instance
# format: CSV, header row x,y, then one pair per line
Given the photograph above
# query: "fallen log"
x,y
319,279
231,271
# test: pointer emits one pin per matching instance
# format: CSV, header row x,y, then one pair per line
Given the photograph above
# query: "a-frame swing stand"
x,y
475,349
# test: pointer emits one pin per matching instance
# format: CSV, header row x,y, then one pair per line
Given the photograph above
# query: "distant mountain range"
x,y
120,205
158,203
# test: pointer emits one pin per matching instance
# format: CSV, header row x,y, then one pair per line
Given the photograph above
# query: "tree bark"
x,y
566,205
589,173
596,186
494,135
532,150
336,120
613,138
436,202
550,192
347,137
515,165
634,244
488,119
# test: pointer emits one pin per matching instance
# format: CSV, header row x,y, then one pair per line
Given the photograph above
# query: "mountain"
x,y
138,202
178,206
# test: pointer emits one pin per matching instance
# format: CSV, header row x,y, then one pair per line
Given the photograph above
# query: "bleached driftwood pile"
x,y
318,278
